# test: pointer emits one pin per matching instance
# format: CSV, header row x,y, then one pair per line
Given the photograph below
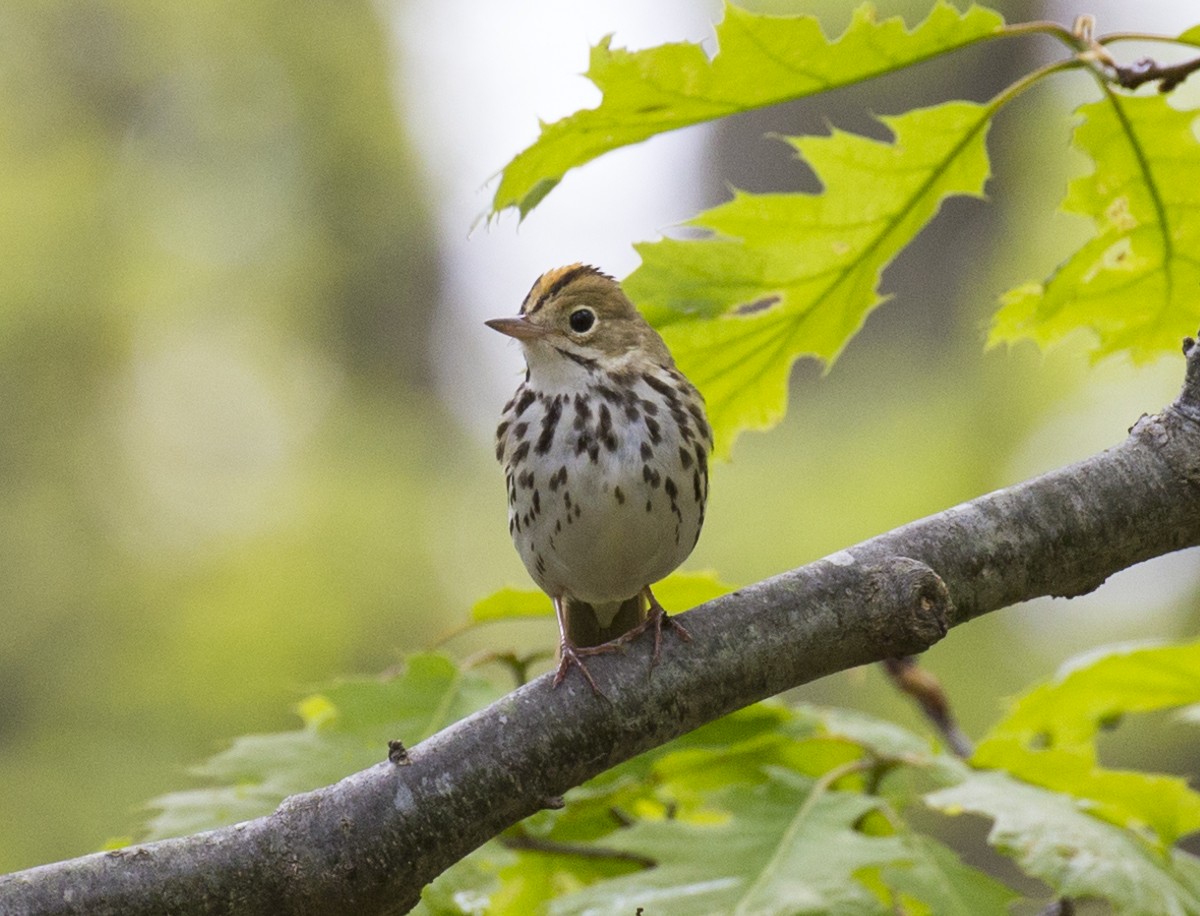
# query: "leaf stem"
x,y
1114,37
1044,27
1025,82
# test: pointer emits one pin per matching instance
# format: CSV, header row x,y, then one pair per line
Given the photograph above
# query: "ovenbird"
x,y
605,453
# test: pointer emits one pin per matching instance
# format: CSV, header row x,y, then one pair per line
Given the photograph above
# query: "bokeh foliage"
x,y
215,248
822,810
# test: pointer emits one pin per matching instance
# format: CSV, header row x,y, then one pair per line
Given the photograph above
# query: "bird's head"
x,y
579,315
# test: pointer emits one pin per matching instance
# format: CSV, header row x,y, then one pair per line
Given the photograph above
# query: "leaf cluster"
x,y
765,279
782,807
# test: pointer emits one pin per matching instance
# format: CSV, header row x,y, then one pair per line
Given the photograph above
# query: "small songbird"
x,y
605,452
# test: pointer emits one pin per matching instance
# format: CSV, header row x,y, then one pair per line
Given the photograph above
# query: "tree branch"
x,y
369,843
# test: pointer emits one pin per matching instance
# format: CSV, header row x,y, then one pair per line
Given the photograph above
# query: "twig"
x,y
926,689
1146,70
529,843
1094,52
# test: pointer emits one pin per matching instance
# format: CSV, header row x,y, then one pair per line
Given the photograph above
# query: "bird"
x,y
605,448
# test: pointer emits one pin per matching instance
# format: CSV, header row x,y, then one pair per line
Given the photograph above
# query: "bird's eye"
x,y
582,320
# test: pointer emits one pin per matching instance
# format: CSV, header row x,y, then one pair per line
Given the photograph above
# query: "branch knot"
x,y
909,588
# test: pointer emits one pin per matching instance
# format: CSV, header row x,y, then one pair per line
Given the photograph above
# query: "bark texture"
x,y
370,843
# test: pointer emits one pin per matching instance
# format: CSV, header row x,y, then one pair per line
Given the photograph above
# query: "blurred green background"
x,y
244,439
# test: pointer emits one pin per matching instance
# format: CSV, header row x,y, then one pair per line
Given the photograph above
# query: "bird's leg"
x,y
570,654
656,618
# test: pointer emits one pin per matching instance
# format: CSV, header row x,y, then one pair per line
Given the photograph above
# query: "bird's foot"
x,y
571,655
656,618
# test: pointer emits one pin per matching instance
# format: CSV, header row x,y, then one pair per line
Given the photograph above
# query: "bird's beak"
x,y
520,328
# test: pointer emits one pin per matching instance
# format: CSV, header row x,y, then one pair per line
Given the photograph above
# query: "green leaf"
x,y
534,879
1048,738
680,591
466,888
1133,285
762,60
743,790
789,275
779,844
347,726
1078,855
509,603
936,877
1090,691
738,748
710,788
878,736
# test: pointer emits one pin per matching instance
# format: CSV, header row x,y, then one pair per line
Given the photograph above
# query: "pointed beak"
x,y
519,328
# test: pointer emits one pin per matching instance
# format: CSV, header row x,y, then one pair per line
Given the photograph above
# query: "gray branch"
x,y
368,844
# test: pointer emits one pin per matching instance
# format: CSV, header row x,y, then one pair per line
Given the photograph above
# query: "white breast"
x,y
606,488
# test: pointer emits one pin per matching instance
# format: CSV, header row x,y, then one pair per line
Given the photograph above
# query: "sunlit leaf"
x,y
1048,738
533,880
738,748
1091,690
789,275
815,849
1078,855
1135,286
511,602
762,60
779,843
685,590
347,727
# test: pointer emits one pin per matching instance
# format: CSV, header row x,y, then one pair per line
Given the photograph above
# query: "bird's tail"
x,y
592,625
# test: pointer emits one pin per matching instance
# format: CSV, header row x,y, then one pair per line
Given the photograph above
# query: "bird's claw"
x,y
656,619
571,655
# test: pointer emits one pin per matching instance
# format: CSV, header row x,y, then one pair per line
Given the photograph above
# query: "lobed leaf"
x,y
1078,855
1092,690
762,60
780,842
468,888
347,726
1135,285
790,275
1048,738
746,815
935,877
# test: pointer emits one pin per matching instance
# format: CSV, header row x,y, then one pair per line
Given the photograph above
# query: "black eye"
x,y
582,320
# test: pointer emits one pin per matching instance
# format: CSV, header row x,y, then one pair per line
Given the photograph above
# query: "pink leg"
x,y
570,654
656,618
